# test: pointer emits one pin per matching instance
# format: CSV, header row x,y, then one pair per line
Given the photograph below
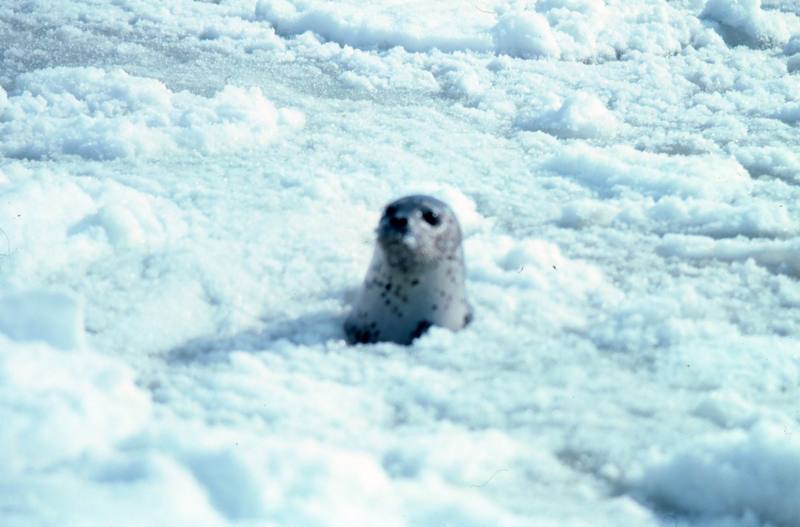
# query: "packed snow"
x,y
189,191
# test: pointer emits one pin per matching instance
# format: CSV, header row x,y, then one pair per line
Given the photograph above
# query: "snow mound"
x,y
98,114
793,63
126,217
643,325
78,219
566,29
781,255
531,280
56,404
581,115
281,481
752,217
624,171
727,409
743,22
790,114
55,319
776,161
731,475
580,213
458,81
793,46
526,35
369,26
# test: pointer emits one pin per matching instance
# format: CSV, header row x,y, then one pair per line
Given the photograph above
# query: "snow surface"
x,y
188,195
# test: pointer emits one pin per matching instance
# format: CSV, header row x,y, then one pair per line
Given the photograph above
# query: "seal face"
x,y
416,278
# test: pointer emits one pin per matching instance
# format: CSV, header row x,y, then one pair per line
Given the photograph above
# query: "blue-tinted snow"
x,y
188,191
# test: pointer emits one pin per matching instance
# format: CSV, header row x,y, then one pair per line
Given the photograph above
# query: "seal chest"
x,y
416,278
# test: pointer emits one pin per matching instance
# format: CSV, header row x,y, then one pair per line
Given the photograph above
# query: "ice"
x,y
188,197
737,474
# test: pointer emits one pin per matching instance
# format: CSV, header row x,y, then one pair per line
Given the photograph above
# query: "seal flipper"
x,y
360,334
468,317
422,327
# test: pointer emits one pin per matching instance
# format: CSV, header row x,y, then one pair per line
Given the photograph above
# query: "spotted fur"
x,y
416,278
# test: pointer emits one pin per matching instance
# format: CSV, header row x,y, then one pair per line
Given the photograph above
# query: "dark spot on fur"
x,y
468,318
359,335
421,328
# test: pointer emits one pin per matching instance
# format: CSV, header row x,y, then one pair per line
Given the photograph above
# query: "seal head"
x,y
416,278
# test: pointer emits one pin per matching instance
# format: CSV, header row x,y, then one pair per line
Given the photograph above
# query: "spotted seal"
x,y
416,278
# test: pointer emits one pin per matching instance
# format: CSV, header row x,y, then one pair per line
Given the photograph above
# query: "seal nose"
x,y
398,222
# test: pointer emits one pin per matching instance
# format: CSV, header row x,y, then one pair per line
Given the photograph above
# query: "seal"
x,y
416,278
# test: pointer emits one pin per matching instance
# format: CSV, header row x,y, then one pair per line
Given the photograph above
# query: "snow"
x,y
526,35
98,115
188,195
581,116
745,22
748,474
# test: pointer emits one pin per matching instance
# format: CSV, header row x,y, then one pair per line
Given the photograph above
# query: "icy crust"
x,y
98,114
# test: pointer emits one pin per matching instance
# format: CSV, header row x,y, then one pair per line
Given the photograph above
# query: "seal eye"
x,y
431,217
390,211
